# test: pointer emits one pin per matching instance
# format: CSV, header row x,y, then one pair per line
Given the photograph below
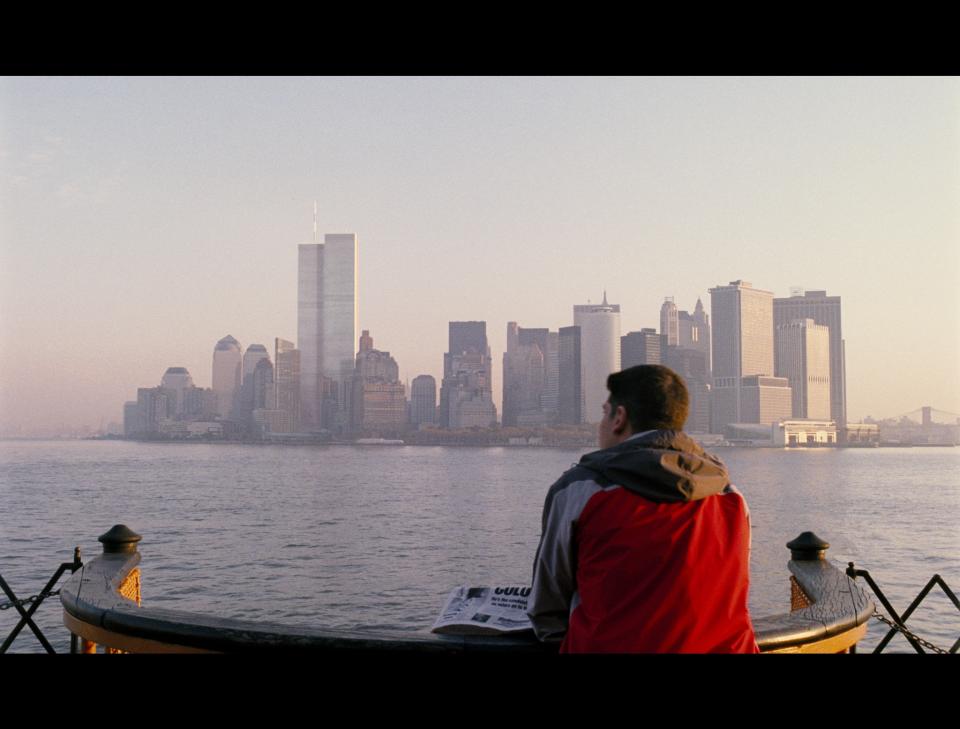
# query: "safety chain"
x,y
28,600
26,615
908,634
898,624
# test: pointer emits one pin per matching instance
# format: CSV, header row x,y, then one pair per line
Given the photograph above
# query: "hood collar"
x,y
661,465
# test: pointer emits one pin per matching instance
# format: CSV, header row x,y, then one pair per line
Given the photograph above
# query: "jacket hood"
x,y
663,465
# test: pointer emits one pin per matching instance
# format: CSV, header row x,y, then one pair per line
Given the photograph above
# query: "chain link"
x,y
902,629
28,600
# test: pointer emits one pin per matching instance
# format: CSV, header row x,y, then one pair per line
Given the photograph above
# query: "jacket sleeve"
x,y
554,567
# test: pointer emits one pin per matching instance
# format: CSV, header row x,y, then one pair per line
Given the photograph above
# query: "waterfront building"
x,y
378,398
599,353
765,399
641,348
825,311
132,424
176,380
286,378
327,314
742,346
466,398
266,421
423,400
803,357
154,405
198,404
806,432
570,373
669,324
525,376
227,366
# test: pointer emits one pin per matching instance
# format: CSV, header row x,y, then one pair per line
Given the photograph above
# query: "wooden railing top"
x,y
92,598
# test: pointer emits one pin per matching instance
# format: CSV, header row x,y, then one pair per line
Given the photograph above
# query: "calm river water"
x,y
375,537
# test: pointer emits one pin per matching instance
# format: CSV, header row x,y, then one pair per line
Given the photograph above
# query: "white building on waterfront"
x,y
327,318
599,353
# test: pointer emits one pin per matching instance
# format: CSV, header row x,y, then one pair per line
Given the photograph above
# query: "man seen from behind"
x,y
645,544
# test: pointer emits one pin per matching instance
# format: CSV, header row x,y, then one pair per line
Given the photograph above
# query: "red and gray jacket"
x,y
645,548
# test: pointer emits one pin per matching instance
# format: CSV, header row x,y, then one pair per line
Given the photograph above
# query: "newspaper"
x,y
484,611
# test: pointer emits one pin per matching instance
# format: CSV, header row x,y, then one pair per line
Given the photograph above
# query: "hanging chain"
x,y
913,636
28,600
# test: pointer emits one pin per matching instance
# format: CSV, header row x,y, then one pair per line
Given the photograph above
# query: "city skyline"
x,y
130,245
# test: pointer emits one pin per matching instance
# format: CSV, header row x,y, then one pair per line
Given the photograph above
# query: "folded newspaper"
x,y
484,611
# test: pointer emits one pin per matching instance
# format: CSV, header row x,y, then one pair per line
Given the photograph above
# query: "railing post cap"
x,y
808,546
119,539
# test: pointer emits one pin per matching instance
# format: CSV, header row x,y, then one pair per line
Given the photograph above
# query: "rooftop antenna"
x,y
314,221
605,298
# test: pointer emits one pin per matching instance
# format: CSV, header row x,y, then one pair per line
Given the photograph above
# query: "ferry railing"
x,y
101,606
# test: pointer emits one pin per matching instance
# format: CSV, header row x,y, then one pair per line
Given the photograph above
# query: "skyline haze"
x,y
144,219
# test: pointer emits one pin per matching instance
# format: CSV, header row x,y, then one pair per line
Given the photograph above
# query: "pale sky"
x,y
142,219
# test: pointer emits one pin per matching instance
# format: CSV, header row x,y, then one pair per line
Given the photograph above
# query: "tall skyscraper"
x,y
742,346
669,323
570,386
599,352
227,368
327,313
803,357
287,380
466,391
826,311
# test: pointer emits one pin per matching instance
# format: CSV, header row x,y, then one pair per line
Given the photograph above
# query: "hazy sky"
x,y
142,219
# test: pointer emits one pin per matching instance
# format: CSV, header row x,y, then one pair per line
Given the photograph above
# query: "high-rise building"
x,y
466,391
227,366
826,311
742,346
327,313
599,352
803,357
669,323
641,348
176,379
423,400
570,374
244,403
286,378
525,377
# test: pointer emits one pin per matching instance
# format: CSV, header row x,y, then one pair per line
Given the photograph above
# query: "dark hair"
x,y
655,397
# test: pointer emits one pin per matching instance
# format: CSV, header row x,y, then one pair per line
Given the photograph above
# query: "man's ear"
x,y
620,421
